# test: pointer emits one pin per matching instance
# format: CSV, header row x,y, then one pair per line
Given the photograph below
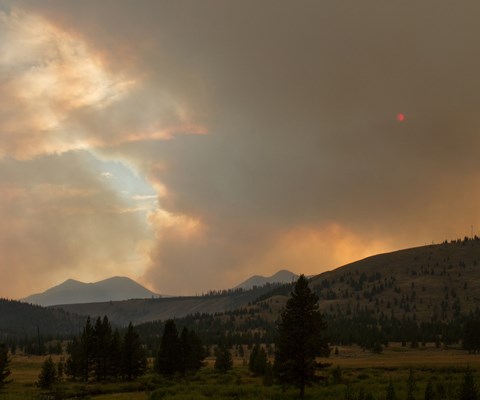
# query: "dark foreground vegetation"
x,y
345,379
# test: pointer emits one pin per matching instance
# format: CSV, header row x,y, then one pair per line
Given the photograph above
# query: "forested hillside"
x,y
414,295
22,319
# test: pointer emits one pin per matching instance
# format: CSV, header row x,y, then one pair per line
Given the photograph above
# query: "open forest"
x,y
351,374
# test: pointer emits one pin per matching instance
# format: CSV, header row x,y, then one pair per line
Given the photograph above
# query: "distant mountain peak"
x,y
281,276
73,292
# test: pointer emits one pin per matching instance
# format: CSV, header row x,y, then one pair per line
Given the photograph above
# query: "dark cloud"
x,y
303,146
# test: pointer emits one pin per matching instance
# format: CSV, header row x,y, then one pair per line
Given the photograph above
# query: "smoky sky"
x,y
265,132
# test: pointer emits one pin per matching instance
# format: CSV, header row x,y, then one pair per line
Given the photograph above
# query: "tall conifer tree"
x,y
134,358
169,356
300,338
4,366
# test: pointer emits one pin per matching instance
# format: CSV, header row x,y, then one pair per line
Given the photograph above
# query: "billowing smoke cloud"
x,y
302,163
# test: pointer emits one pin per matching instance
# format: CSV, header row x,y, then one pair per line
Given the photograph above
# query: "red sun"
x,y
400,117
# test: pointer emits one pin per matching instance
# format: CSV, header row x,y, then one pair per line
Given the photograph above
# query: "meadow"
x,y
351,373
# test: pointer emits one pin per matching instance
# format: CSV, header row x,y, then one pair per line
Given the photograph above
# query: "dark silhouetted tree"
x,y
300,338
102,348
192,352
73,365
48,375
115,355
134,359
169,356
471,335
4,367
87,350
223,359
258,360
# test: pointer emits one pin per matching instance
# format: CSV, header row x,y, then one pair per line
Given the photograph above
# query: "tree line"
x,y
101,353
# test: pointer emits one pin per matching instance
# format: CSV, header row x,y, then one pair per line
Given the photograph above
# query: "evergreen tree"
x,y
115,355
223,359
469,390
471,335
300,338
185,350
253,357
60,369
258,360
102,341
48,375
134,358
192,351
169,356
73,365
87,349
4,366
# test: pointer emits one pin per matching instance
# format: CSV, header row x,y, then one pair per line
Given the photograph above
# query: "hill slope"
x,y
21,319
145,310
436,282
282,276
74,292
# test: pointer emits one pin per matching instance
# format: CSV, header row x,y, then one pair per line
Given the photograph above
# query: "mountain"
x,y
74,292
282,276
434,282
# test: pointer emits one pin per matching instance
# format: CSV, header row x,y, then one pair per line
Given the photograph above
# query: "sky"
x,y
191,144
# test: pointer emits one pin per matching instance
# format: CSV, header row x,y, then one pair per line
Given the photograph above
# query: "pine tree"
x,y
102,340
48,375
115,355
300,338
133,355
253,357
4,366
192,352
258,360
223,359
169,356
73,365
87,349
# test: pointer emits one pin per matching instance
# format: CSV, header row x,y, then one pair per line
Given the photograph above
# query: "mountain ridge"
x,y
71,291
281,276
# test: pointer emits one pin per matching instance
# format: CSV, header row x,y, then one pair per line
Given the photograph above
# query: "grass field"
x,y
354,368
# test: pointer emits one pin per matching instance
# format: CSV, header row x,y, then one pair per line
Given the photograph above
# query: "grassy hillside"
x,y
424,283
438,282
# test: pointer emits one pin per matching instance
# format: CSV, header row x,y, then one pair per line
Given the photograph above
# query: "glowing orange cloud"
x,y
312,250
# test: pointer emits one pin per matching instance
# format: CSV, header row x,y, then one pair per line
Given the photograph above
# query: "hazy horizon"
x,y
188,145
